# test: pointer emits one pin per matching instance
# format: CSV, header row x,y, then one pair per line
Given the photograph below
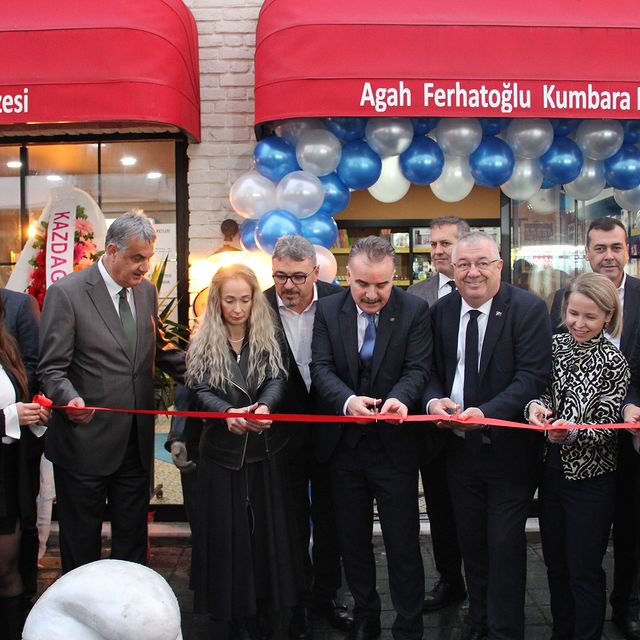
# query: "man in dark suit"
x,y
492,354
294,298
607,250
371,353
22,321
100,341
450,587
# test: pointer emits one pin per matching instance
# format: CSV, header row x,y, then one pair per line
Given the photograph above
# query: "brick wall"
x,y
226,30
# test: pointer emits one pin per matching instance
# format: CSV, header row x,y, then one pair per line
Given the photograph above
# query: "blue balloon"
x,y
492,126
275,157
631,131
320,229
422,126
622,169
346,129
422,162
492,162
547,183
360,166
248,234
564,126
274,224
336,195
562,162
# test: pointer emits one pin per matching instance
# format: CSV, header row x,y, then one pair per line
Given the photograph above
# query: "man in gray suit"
x,y
99,342
450,587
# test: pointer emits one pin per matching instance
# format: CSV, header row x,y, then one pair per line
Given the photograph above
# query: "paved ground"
x,y
171,554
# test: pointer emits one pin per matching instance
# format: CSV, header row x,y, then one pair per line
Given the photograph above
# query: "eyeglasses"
x,y
296,278
483,265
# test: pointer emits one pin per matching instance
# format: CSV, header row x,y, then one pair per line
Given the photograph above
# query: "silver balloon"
x,y
529,137
525,181
589,183
391,186
301,193
599,139
546,201
455,181
628,199
389,136
458,136
252,194
292,129
318,151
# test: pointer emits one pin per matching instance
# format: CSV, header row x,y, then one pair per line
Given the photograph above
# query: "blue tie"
x,y
369,342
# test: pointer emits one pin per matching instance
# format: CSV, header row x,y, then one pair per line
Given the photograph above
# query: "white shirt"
x,y
8,404
114,291
443,285
298,328
616,341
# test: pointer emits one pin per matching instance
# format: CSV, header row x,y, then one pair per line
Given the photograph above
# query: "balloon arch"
x,y
305,170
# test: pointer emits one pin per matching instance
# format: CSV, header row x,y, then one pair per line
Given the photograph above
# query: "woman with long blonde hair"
x,y
242,551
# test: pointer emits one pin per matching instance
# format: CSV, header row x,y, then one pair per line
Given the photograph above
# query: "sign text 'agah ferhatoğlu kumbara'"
x,y
587,99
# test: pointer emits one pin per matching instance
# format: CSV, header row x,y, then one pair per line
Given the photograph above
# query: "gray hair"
x,y
462,225
376,249
296,248
475,237
133,224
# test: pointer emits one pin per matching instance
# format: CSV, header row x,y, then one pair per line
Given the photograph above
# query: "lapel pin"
x,y
498,314
392,319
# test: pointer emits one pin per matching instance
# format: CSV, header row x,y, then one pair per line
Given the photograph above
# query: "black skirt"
x,y
243,545
9,487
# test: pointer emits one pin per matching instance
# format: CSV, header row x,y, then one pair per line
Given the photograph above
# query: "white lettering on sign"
x,y
384,97
17,103
506,99
591,99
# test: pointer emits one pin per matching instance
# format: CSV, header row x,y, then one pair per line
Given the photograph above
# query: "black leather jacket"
x,y
217,442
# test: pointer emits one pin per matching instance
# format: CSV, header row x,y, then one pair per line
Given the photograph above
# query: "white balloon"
x,y
529,137
525,181
628,199
458,136
318,151
252,194
546,200
589,183
391,186
292,129
300,192
455,181
599,139
327,263
389,136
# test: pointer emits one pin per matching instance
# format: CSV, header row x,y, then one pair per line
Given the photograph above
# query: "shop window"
x,y
11,228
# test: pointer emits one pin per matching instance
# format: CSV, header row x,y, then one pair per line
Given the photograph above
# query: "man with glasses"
x,y
293,298
492,354
450,587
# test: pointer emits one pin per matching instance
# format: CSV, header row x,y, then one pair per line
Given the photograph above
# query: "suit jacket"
x,y
399,369
515,365
22,321
84,352
630,317
427,289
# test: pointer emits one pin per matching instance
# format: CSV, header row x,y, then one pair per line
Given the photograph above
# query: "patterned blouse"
x,y
588,384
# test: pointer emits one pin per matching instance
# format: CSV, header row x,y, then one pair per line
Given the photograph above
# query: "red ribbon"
x,y
303,417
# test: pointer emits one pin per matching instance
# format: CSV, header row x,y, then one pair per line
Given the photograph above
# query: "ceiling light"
x,y
54,178
154,175
128,161
14,164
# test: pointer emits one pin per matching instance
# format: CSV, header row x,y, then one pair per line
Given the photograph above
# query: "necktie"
x,y
471,378
369,342
126,317
452,284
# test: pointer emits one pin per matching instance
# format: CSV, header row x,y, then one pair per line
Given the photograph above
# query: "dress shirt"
x,y
298,328
114,291
444,288
616,341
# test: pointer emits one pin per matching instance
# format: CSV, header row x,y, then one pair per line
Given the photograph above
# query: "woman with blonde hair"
x,y
242,551
577,492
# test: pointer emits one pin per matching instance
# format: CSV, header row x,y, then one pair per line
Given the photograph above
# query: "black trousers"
x,y
444,537
359,475
625,600
310,485
491,507
575,520
81,500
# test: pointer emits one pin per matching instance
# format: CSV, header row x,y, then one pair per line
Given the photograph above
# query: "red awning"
x,y
553,58
108,61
